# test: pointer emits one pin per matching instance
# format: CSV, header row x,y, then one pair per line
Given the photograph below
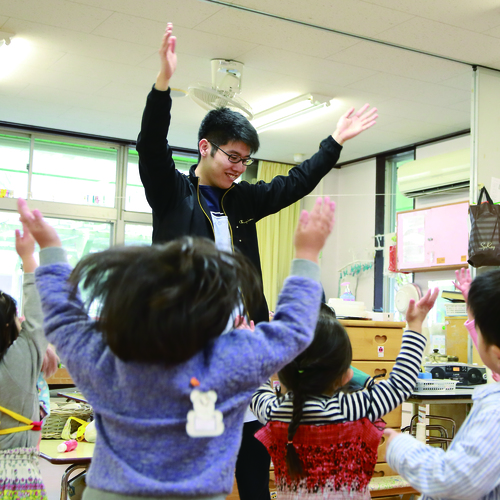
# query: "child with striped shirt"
x,y
322,435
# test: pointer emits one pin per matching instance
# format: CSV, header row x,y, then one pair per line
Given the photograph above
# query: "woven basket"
x,y
436,385
54,423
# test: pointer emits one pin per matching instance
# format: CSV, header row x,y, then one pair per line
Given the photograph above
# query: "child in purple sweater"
x,y
169,391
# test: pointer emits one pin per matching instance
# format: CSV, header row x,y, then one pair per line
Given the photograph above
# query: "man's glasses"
x,y
235,158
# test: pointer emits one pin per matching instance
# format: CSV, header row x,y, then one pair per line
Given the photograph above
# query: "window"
x,y
73,173
394,202
78,239
85,188
138,234
14,162
135,197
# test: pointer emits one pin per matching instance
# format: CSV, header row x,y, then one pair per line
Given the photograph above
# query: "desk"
x,y
79,458
74,395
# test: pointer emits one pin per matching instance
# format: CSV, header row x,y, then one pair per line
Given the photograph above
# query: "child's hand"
x,y
45,235
25,248
416,313
50,362
25,243
240,323
313,229
390,434
463,281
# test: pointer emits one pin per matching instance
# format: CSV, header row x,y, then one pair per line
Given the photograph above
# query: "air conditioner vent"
x,y
437,174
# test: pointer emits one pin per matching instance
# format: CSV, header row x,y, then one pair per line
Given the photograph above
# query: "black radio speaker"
x,y
463,373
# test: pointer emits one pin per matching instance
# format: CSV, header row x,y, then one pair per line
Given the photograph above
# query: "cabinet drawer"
x,y
60,377
393,419
373,368
375,343
381,449
382,469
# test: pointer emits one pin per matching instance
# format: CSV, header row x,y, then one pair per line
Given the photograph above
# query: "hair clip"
x,y
289,442
300,371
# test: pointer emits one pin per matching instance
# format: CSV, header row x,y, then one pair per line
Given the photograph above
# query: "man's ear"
x,y
204,147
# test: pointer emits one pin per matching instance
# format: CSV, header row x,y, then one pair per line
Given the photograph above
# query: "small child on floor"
x,y
169,392
323,435
22,349
470,468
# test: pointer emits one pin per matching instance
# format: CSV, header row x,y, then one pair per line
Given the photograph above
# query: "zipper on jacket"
x,y
230,233
245,308
228,223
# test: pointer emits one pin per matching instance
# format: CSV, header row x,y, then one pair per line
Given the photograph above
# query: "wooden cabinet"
x,y
61,377
375,346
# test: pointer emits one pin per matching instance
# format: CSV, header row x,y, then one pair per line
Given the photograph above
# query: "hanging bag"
x,y
484,238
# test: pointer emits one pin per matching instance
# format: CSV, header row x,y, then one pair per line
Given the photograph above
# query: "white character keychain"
x,y
204,420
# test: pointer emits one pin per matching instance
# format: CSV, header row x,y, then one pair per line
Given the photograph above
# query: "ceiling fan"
x,y
226,84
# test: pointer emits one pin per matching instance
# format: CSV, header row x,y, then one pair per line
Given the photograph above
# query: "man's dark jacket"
x,y
179,208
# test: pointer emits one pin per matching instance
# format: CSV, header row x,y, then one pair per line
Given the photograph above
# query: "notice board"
x,y
434,238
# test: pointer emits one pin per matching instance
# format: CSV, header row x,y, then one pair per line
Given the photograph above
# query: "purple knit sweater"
x,y
140,408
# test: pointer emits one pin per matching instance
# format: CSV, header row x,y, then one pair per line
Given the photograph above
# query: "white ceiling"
x,y
93,62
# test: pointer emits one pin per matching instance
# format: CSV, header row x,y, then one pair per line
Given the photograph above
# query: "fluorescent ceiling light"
x,y
294,108
5,38
13,51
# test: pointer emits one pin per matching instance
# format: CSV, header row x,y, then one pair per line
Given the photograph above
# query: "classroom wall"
x,y
486,129
353,189
428,151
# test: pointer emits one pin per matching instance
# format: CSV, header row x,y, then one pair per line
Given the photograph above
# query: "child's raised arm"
x,y
417,312
313,229
379,399
463,281
272,345
31,329
25,248
67,324
44,234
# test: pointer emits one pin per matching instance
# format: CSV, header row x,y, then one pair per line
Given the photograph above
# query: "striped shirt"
x,y
470,468
373,402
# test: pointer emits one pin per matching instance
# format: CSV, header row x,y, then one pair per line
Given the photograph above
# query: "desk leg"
x,y
65,479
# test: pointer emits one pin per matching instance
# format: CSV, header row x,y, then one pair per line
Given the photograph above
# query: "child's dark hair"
x,y
8,327
483,301
222,125
317,370
164,303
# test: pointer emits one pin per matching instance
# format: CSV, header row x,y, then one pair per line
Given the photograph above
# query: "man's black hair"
x,y
222,125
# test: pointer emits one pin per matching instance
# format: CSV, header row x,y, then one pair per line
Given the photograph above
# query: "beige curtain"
x,y
275,234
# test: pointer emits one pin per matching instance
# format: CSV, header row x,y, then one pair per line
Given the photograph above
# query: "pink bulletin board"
x,y
434,238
